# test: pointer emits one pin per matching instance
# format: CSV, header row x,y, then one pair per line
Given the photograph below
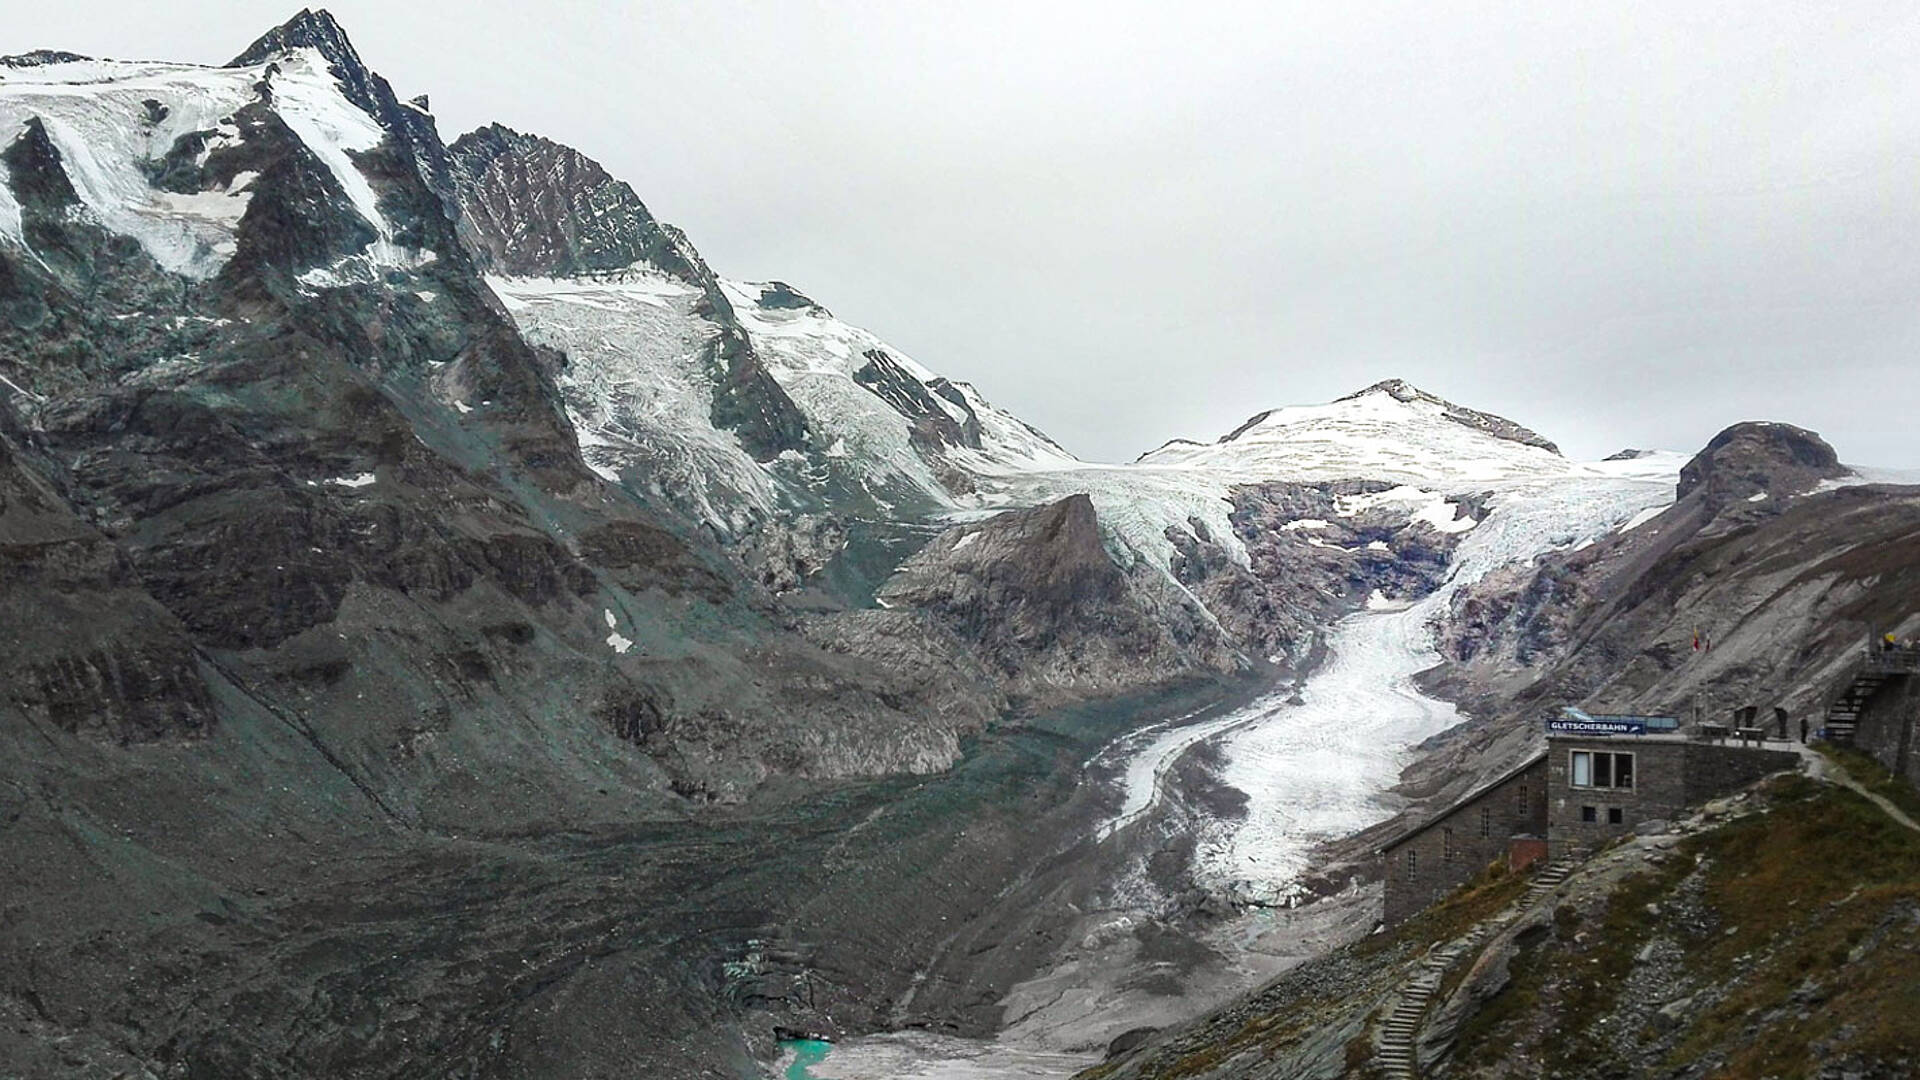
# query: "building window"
x,y
1446,845
1602,769
1616,816
1486,821
1413,863
1588,813
1520,802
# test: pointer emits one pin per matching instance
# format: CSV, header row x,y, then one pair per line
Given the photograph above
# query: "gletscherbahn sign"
x,y
1596,725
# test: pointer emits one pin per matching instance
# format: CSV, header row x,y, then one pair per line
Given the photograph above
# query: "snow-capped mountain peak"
x,y
319,31
168,153
1391,430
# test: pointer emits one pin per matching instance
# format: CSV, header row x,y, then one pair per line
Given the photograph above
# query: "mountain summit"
x,y
1498,426
1391,429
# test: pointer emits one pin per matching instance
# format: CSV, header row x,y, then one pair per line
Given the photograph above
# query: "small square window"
x,y
1615,815
1588,813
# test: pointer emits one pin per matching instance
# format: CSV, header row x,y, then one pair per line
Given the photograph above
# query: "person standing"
x,y
1803,731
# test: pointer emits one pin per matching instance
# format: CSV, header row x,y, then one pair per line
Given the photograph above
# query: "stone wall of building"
x,y
1669,776
1423,865
1889,728
1714,769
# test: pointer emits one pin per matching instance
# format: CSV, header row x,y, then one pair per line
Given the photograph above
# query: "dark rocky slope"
x,y
1037,595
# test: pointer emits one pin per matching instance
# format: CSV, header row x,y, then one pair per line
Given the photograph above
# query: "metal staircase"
x,y
1401,1031
1879,666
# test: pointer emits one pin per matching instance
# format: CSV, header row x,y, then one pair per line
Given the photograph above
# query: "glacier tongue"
x,y
1321,769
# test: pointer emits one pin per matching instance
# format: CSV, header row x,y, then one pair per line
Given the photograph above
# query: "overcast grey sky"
x,y
1621,224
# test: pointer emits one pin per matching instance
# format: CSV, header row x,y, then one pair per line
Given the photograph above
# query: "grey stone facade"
x,y
1431,860
1889,728
1669,774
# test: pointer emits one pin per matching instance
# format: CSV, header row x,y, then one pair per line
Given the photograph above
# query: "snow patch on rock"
x,y
95,114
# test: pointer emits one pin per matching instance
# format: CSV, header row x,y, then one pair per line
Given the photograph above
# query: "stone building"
x,y
1600,777
1600,787
1507,816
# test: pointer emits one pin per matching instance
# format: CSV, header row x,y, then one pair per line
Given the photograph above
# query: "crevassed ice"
x,y
95,115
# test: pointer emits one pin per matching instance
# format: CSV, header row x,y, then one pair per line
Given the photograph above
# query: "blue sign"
x,y
1595,725
1576,722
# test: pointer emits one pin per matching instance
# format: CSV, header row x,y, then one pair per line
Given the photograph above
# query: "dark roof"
x,y
1461,802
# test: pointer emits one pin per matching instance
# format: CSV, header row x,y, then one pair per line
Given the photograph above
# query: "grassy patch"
x,y
1821,900
1875,777
1808,956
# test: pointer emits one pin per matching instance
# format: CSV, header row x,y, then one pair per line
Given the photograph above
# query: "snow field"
x,y
95,114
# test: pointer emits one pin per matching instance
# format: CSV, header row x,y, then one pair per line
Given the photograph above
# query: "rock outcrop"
x,y
1752,590
530,206
1039,597
1757,460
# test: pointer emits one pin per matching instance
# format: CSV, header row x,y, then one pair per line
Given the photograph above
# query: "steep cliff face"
x,y
133,674
408,123
1770,579
1051,614
531,207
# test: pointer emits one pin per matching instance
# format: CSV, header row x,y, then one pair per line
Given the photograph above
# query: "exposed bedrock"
x,y
1036,593
82,646
1758,458
1310,560
530,206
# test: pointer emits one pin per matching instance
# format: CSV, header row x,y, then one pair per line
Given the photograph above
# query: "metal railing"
x,y
1899,660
